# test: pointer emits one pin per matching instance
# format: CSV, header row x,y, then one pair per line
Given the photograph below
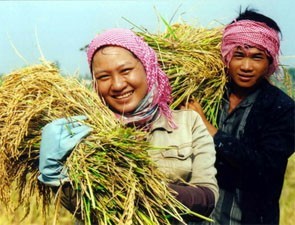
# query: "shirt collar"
x,y
161,123
250,99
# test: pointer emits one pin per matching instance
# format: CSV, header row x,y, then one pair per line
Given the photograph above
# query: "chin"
x,y
123,110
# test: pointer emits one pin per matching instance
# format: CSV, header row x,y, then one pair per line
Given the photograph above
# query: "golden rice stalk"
x,y
110,168
191,58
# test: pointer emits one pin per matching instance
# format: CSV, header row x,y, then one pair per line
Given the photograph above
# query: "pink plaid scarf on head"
x,y
157,80
254,34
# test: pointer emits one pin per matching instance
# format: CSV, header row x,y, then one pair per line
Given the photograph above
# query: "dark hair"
x,y
252,14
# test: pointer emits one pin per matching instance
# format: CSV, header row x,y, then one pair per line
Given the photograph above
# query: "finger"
x,y
70,126
75,121
63,121
70,141
57,122
68,129
193,107
80,132
77,118
81,128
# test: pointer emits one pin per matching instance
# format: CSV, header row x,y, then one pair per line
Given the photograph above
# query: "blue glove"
x,y
57,141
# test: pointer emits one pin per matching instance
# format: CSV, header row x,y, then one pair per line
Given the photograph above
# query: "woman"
x,y
129,80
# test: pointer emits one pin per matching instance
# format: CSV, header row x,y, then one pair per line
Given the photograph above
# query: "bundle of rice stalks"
x,y
117,182
191,58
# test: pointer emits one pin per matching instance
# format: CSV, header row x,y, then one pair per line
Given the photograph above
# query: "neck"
x,y
241,92
237,95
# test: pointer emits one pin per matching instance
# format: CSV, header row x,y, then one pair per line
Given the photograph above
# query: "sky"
x,y
56,30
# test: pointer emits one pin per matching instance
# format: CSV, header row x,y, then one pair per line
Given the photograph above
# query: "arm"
x,y
275,140
266,145
199,199
57,141
202,192
197,107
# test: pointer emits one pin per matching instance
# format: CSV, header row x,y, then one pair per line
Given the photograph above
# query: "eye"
x,y
238,55
102,77
258,57
126,71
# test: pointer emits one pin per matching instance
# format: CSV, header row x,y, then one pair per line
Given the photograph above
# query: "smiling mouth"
x,y
245,77
125,95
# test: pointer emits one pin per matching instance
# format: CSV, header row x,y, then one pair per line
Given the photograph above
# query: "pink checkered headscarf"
x,y
157,80
251,33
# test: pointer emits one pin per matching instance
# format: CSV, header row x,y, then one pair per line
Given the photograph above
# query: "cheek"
x,y
139,80
143,77
232,65
266,67
101,90
231,69
143,86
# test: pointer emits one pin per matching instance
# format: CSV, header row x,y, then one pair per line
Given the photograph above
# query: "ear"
x,y
225,69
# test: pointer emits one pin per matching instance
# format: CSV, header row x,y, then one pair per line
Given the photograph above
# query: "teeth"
x,y
124,96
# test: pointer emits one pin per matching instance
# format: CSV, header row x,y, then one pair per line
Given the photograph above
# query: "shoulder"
x,y
270,89
187,118
185,115
273,96
182,118
272,104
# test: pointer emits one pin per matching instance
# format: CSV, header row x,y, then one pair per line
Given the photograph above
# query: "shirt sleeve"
x,y
204,156
198,199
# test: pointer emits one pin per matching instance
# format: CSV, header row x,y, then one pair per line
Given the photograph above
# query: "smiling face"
x,y
120,78
248,66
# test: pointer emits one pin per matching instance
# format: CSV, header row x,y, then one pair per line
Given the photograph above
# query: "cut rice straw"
x,y
110,169
191,58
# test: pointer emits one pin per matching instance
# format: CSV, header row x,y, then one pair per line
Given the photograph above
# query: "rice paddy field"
x,y
287,201
35,217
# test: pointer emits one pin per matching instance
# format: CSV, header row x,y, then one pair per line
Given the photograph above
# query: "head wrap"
x,y
157,80
254,34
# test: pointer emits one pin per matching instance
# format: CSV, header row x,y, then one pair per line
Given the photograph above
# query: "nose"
x,y
246,64
118,82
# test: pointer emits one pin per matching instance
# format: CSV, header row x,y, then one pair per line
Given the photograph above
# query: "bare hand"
x,y
195,105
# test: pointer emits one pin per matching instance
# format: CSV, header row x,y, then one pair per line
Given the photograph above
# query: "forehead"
x,y
113,50
249,50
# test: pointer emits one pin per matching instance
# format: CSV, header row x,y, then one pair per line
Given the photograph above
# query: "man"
x,y
255,134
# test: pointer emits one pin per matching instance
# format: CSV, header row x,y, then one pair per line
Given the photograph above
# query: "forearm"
x,y
268,154
70,199
197,198
211,129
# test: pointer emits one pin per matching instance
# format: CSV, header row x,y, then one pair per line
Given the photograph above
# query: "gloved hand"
x,y
57,141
